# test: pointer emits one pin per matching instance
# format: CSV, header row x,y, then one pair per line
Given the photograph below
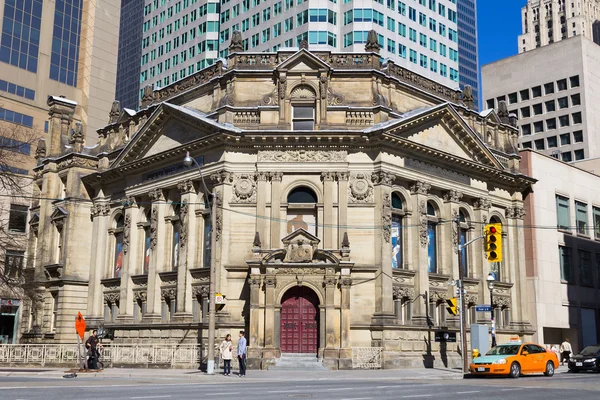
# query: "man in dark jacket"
x,y
92,345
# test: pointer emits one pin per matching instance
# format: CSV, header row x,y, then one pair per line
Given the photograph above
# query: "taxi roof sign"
x,y
515,340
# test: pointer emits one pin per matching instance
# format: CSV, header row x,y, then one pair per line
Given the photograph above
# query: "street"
x,y
350,385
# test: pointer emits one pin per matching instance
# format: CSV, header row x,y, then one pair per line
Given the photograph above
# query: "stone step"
x,y
298,355
298,362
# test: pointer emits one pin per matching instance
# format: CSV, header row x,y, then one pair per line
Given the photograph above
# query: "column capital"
x,y
383,178
482,203
328,176
221,177
262,176
276,176
453,196
186,186
343,175
515,212
100,209
346,282
130,202
270,281
329,281
420,187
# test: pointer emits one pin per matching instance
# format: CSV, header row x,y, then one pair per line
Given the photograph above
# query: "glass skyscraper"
x,y
468,61
130,53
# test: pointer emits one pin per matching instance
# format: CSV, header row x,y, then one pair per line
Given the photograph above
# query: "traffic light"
x,y
452,307
493,242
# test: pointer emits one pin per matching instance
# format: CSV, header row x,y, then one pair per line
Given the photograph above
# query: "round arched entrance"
x,y
299,321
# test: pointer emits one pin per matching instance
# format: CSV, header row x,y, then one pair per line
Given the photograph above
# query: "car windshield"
x,y
591,351
505,350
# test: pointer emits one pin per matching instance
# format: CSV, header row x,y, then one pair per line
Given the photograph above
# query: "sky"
x,y
499,25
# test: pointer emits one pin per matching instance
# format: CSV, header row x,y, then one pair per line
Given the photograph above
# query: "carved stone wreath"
x,y
244,189
360,189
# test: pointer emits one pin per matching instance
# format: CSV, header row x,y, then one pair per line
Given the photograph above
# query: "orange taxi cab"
x,y
515,359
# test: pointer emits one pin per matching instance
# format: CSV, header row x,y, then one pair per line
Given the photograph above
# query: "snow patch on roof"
x,y
487,112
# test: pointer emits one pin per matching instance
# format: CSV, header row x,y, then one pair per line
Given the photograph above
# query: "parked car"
x,y
515,359
587,360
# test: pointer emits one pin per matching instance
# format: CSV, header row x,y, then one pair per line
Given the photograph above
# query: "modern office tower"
x,y
63,48
181,37
556,107
554,20
468,61
130,52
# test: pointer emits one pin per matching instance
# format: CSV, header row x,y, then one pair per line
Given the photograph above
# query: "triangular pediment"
x,y
303,61
300,235
169,127
59,213
442,129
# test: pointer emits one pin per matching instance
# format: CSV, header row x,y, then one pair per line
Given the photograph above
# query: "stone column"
x,y
328,188
384,303
100,212
275,209
61,114
187,249
269,351
130,257
480,264
342,206
157,253
331,351
419,219
254,336
261,206
516,262
345,359
449,250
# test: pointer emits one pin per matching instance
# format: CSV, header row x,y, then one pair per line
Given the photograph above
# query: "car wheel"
x,y
515,370
549,369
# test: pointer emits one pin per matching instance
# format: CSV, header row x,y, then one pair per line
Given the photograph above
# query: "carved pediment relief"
x,y
303,61
300,246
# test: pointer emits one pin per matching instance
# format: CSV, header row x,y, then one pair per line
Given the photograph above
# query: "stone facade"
x,y
330,172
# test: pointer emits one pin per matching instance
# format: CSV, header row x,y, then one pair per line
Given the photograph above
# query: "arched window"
x,y
118,232
463,232
397,231
207,233
302,210
147,241
496,267
176,222
432,222
303,100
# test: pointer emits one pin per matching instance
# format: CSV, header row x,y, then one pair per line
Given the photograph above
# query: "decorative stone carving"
x,y
501,301
140,295
304,44
156,195
100,209
334,99
222,177
270,281
343,176
420,187
386,217
329,281
254,282
185,84
282,86
303,92
302,156
400,292
218,216
147,96
111,297
115,112
503,112
423,224
200,291
244,189
153,228
186,186
168,293
328,176
471,298
467,97
455,217
323,85
237,43
276,176
383,178
515,212
40,151
183,218
482,204
436,296
372,44
453,196
256,243
75,161
126,233
299,271
346,282
130,202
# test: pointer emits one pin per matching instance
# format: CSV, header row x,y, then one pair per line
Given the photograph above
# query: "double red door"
x,y
299,321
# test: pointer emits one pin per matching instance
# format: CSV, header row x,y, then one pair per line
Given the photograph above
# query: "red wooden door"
x,y
299,321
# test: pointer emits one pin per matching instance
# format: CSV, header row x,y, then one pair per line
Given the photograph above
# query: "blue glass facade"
x,y
468,60
17,90
130,53
20,41
65,41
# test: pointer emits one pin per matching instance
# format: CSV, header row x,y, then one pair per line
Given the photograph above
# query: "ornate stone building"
x,y
334,181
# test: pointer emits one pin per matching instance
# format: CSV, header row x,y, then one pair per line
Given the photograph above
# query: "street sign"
x,y
483,308
445,336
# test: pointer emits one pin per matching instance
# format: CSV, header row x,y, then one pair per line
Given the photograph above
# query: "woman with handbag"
x,y
226,348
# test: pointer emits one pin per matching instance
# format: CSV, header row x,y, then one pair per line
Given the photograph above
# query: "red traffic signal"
x,y
493,229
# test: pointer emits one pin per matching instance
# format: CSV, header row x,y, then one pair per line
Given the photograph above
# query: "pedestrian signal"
x,y
493,242
452,307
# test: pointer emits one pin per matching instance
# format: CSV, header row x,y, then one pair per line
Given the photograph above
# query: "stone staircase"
x,y
298,362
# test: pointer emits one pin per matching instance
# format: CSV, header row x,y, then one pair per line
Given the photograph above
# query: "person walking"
x,y
92,345
242,350
226,353
565,351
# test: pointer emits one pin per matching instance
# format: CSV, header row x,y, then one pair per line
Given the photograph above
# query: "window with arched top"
x,y
432,228
496,267
302,210
145,264
118,233
463,233
397,231
303,101
176,222
207,232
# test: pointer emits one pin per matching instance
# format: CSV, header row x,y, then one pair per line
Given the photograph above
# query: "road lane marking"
x,y
416,395
511,389
471,391
286,391
220,393
341,389
359,398
150,397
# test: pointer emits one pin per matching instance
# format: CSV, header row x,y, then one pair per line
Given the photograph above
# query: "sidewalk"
x,y
253,375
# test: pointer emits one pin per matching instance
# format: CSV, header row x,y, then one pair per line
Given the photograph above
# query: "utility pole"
x,y
461,291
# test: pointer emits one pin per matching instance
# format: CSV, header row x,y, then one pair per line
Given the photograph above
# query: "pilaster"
x,y
99,213
157,253
331,351
130,253
187,249
342,178
419,193
328,193
345,357
262,190
269,350
450,253
516,262
482,210
275,209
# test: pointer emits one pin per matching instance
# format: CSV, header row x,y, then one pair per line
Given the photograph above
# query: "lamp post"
x,y
490,282
210,363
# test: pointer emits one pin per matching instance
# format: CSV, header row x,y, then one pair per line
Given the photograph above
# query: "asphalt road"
x,y
584,386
